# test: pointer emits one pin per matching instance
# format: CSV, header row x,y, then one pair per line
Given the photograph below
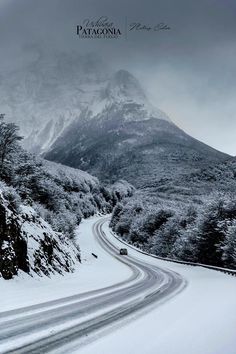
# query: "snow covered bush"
x,y
229,245
203,233
62,195
13,198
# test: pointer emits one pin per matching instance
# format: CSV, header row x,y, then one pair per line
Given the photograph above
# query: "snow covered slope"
x,y
28,243
41,204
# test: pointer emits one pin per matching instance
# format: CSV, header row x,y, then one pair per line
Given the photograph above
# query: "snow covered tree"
x,y
185,246
209,234
116,214
9,139
229,246
165,237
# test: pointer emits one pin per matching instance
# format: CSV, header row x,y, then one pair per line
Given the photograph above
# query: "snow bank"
x,y
91,274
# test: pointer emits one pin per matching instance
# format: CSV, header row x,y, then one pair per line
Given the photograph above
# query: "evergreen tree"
x,y
229,246
9,139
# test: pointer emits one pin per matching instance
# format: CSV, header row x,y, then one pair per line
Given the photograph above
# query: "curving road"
x,y
55,326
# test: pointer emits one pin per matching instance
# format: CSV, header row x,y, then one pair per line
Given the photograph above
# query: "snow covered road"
x,y
110,305
55,325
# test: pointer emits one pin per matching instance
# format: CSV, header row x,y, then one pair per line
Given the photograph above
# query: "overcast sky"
x,y
188,71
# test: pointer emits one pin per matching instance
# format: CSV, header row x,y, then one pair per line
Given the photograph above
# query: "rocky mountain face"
x,y
121,135
28,243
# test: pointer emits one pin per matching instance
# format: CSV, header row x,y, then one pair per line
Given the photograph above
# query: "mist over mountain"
x,y
47,94
121,135
75,110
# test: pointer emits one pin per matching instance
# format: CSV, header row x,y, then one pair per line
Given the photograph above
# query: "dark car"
x,y
124,251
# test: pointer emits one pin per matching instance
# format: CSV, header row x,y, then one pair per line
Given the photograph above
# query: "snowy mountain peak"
x,y
125,86
49,95
124,94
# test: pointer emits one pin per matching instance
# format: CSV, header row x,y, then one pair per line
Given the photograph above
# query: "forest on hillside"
x,y
41,205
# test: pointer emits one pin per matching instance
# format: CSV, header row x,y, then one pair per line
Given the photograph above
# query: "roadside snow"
x,y
90,275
